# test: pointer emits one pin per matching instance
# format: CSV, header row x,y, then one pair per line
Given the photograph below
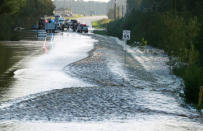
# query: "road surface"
x,y
80,82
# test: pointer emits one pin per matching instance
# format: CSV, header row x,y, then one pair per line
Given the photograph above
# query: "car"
x,y
57,18
67,20
82,28
65,25
41,24
61,20
73,24
68,15
57,25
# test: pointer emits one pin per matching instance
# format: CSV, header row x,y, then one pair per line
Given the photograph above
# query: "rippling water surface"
x,y
80,82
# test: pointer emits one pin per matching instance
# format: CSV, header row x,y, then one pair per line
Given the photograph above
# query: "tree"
x,y
11,7
21,13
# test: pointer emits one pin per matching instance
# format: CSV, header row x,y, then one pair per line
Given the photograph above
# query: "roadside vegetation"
x,y
100,26
75,16
175,26
21,13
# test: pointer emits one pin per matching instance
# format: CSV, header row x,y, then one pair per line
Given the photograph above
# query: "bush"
x,y
193,80
6,27
143,42
115,28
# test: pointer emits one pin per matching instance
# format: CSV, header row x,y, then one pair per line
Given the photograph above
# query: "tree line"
x,y
173,25
21,13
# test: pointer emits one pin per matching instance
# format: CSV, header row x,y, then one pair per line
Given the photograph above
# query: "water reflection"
x,y
5,58
44,72
12,55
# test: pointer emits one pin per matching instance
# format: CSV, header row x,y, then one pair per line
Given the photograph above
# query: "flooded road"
x,y
80,82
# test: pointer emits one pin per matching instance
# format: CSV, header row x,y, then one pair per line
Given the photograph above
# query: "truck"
x,y
50,26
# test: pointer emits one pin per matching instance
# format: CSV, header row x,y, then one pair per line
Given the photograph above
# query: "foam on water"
x,y
45,72
155,61
159,124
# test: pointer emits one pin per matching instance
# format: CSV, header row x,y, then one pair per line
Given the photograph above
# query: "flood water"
x,y
12,55
80,82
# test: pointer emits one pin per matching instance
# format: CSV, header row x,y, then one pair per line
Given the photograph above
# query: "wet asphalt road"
x,y
83,84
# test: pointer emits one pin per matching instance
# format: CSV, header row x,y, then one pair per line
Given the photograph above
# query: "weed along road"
x,y
77,81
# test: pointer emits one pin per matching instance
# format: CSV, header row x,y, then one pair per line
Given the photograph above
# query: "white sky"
x,y
98,0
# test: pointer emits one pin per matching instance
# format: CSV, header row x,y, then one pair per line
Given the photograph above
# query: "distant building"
x,y
82,7
63,12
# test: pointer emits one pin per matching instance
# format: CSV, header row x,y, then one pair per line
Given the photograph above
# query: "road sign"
x,y
126,34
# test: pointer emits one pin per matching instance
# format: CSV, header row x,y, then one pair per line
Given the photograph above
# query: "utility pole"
x,y
63,7
115,10
71,6
122,10
118,15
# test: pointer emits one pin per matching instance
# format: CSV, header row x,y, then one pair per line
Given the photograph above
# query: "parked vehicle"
x,y
57,23
61,20
73,24
67,21
73,21
57,18
82,28
41,24
68,15
65,25
50,25
57,26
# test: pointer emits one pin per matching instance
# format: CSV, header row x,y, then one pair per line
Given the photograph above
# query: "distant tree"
x,y
10,6
110,13
21,13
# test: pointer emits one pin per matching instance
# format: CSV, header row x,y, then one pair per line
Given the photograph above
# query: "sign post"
x,y
126,37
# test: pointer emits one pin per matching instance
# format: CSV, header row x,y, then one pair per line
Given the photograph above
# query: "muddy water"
x,y
12,54
80,82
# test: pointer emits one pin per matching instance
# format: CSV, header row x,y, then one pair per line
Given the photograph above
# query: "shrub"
x,y
193,80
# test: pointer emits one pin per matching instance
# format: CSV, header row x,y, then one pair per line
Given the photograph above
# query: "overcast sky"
x,y
98,0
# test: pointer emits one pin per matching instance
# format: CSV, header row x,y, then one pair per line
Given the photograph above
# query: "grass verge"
x,y
101,24
100,32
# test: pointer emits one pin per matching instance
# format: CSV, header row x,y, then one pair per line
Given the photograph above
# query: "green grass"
x,y
100,32
71,17
100,24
